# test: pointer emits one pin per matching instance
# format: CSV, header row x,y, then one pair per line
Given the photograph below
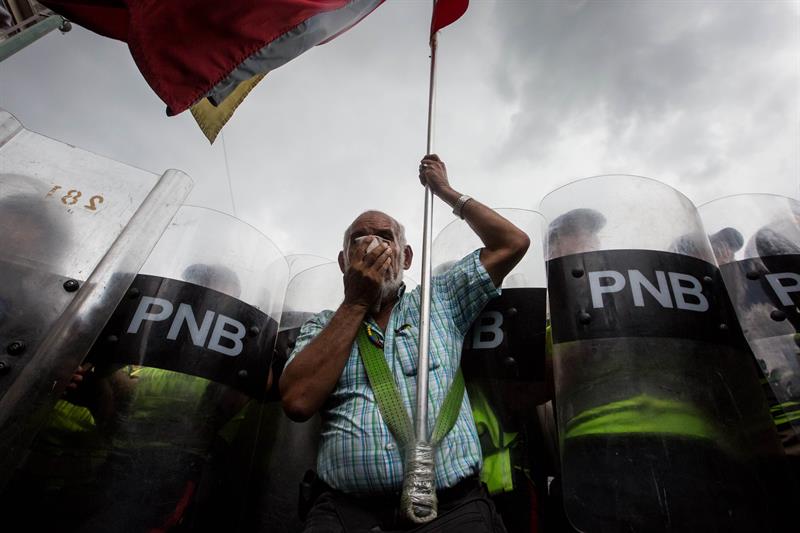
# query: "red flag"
x,y
445,12
189,50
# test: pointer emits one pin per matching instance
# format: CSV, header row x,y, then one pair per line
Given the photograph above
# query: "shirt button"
x,y
391,446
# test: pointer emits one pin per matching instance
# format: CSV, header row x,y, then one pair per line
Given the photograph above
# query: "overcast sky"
x,y
704,96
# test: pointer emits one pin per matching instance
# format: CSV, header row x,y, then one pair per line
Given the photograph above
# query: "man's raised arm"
x,y
504,244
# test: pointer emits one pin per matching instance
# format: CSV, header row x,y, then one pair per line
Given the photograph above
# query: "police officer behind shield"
x,y
771,243
359,462
573,232
59,463
167,427
140,439
641,456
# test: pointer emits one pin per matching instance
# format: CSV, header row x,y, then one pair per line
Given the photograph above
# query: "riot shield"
x,y
309,292
662,424
756,239
300,262
504,365
326,291
289,449
181,362
76,227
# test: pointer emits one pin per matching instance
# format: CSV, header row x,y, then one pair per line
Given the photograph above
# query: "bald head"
x,y
373,219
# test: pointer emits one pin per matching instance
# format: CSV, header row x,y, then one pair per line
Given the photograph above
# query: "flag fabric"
x,y
193,51
211,118
445,12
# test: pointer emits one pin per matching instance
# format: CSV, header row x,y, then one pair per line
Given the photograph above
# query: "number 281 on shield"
x,y
70,197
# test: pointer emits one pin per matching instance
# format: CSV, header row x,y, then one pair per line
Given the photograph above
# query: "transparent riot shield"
x,y
310,291
662,423
76,227
299,262
301,294
289,449
504,365
181,362
756,239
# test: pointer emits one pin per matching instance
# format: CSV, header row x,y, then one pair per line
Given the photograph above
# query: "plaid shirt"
x,y
358,454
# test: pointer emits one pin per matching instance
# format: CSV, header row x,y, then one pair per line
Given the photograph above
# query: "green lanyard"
x,y
390,404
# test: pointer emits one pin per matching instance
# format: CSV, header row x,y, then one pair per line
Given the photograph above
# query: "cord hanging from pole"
x,y
228,173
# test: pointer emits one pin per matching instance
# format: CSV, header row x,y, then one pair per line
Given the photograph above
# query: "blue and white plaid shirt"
x,y
358,454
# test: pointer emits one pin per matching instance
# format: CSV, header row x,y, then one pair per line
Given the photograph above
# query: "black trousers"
x,y
466,507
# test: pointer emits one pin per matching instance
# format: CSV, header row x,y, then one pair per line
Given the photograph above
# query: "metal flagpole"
x,y
418,497
421,415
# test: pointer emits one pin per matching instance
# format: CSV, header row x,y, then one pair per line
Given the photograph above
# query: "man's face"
x,y
382,226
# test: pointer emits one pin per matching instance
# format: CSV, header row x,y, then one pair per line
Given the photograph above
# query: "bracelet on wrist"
x,y
458,208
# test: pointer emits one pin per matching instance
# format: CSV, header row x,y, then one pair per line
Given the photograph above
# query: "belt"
x,y
446,495
459,490
362,512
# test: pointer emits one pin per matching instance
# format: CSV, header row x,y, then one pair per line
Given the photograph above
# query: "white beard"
x,y
390,287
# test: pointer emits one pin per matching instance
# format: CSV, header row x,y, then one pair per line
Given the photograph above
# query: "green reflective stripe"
x,y
67,451
490,432
69,429
390,404
785,406
786,419
641,414
784,414
497,473
163,391
495,443
167,383
164,410
71,418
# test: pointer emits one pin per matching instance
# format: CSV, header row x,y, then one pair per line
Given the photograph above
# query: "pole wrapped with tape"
x,y
418,498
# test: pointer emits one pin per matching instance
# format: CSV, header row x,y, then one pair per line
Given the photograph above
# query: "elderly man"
x,y
360,464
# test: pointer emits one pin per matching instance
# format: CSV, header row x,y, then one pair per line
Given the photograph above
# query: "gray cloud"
x,y
692,88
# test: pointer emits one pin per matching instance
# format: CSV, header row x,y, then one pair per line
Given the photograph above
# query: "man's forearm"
x,y
504,243
312,375
494,231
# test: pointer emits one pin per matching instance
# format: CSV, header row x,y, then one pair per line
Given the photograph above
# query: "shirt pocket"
x,y
405,348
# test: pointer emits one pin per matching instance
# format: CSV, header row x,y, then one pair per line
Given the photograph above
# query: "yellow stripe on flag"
x,y
212,119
